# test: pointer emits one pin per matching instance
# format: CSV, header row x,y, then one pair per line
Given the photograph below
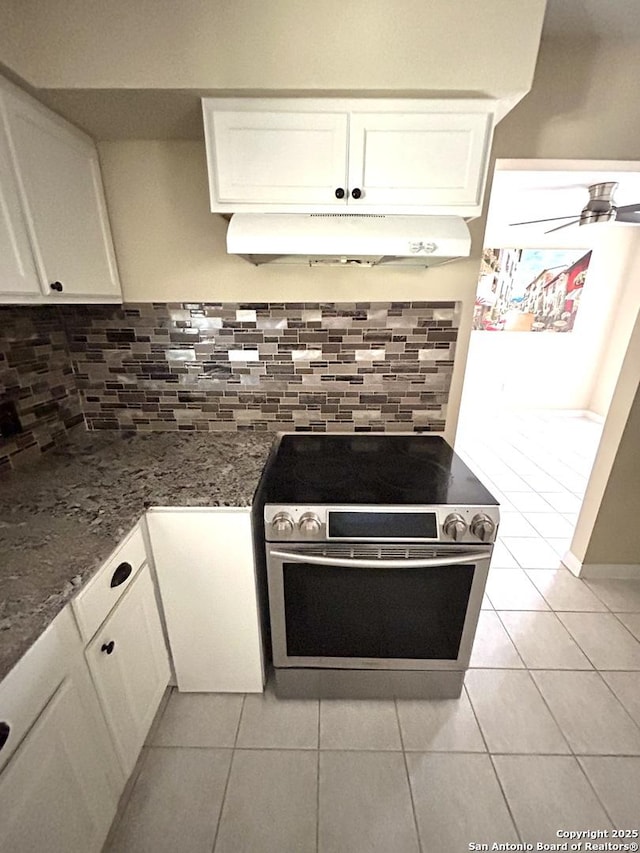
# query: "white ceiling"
x,y
533,189
593,18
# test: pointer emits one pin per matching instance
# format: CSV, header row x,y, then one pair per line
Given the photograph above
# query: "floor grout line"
x,y
622,705
619,613
235,740
590,784
493,765
223,802
398,750
406,769
226,784
318,781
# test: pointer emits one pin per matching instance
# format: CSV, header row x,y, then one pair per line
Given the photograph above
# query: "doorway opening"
x,y
547,347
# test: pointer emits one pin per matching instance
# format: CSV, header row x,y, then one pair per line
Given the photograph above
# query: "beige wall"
x,y
381,45
615,539
171,247
601,502
619,326
583,104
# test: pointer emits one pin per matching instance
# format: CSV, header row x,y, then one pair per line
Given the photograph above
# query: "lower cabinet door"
x,y
130,668
54,792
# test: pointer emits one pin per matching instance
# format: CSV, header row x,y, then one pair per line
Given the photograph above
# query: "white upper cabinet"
x,y
56,172
359,155
18,274
271,157
418,160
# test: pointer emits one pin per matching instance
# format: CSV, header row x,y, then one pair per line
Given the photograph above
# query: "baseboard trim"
x,y
610,570
572,563
617,571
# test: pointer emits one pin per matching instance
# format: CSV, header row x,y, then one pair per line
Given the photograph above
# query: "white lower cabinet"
x,y
60,784
206,575
76,709
74,717
130,668
55,796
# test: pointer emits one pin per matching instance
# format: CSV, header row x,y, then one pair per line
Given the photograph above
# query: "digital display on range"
x,y
383,525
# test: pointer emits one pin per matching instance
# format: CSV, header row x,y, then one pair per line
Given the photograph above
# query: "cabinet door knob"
x,y
108,647
339,193
356,193
5,728
57,286
121,574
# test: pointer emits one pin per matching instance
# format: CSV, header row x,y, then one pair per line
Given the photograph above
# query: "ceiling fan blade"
x,y
628,213
560,227
548,219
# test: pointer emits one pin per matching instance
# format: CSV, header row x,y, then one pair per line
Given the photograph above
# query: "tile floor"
x,y
546,735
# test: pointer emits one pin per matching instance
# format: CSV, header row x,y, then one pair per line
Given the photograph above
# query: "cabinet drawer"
x,y
94,603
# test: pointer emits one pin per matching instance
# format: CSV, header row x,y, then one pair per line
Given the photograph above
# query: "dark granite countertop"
x,y
62,516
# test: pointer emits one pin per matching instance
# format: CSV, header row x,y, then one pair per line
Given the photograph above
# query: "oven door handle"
x,y
381,564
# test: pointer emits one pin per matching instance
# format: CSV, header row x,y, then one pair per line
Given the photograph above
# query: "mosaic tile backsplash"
x,y
280,366
36,374
313,366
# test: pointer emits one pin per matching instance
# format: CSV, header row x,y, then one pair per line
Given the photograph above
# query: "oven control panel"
x,y
449,525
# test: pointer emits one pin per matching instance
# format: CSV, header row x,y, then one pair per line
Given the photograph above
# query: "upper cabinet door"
x,y
59,177
18,274
404,162
267,157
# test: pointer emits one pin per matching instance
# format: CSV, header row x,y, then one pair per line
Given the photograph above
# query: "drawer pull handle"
x,y
121,574
5,728
108,647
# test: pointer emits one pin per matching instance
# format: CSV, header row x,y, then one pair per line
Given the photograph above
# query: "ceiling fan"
x,y
599,208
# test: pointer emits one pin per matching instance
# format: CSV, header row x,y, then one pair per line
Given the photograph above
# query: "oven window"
x,y
375,613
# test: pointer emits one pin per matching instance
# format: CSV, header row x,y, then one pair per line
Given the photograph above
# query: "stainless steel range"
x,y
377,554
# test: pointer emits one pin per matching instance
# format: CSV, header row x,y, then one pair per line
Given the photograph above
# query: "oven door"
x,y
389,606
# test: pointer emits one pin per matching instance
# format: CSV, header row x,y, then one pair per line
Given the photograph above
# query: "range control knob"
x,y
309,523
482,527
454,526
282,522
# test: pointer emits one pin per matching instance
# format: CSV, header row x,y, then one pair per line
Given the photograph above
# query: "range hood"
x,y
345,239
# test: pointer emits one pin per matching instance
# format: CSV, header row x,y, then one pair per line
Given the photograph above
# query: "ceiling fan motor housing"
x,y
600,207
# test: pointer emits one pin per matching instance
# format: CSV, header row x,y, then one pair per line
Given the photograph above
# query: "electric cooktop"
x,y
370,469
